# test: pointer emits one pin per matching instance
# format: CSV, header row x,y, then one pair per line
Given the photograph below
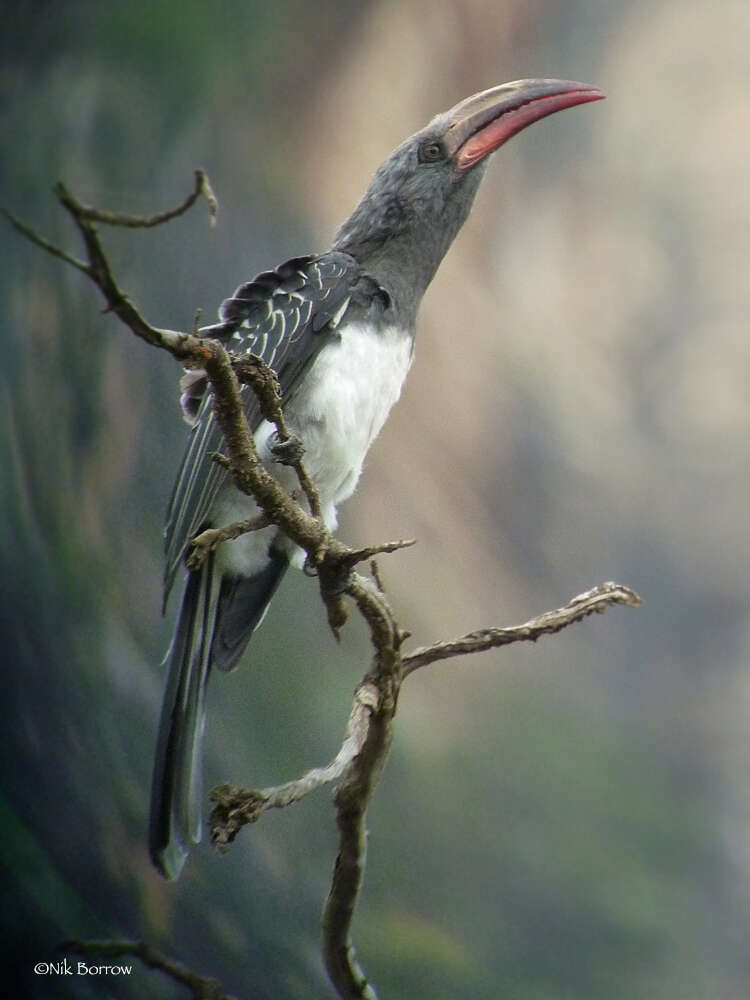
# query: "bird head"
x,y
421,195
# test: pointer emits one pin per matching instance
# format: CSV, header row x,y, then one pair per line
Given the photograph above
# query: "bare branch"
x,y
182,346
44,244
222,460
592,601
355,556
124,219
248,471
237,806
376,577
254,371
353,796
207,541
339,954
202,987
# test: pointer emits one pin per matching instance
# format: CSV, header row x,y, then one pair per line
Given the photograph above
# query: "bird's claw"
x,y
335,576
335,580
287,452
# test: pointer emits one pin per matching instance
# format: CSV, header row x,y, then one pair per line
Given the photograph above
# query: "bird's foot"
x,y
287,452
335,577
334,580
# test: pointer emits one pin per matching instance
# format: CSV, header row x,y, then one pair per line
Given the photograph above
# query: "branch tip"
x,y
205,543
204,184
44,244
596,600
202,187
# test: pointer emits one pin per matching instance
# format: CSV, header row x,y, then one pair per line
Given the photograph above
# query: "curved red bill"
x,y
489,138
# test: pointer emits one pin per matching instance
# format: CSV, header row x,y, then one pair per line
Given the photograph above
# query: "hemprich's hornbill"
x,y
338,328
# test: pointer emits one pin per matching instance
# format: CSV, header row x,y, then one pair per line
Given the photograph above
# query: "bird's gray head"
x,y
421,195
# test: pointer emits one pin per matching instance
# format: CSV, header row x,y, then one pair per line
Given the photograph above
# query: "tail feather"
x,y
176,784
242,605
217,618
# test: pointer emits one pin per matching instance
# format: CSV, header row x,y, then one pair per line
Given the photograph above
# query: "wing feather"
x,y
283,316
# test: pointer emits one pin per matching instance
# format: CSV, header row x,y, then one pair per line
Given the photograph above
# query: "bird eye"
x,y
430,152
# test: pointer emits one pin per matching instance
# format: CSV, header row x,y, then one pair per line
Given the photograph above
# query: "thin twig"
x,y
376,577
253,370
181,345
248,471
362,555
125,219
202,987
596,600
207,541
40,241
236,807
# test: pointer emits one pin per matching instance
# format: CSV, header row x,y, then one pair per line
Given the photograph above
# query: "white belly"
x,y
338,411
344,402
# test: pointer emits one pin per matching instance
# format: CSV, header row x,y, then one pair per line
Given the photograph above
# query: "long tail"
x,y
217,617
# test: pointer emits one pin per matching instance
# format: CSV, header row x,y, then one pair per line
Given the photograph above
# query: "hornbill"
x,y
338,329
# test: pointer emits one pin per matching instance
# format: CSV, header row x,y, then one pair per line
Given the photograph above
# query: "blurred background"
x,y
566,820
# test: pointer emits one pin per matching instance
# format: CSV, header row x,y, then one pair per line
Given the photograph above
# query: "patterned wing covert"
x,y
283,316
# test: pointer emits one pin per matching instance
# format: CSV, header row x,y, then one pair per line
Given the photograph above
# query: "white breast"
x,y
344,402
